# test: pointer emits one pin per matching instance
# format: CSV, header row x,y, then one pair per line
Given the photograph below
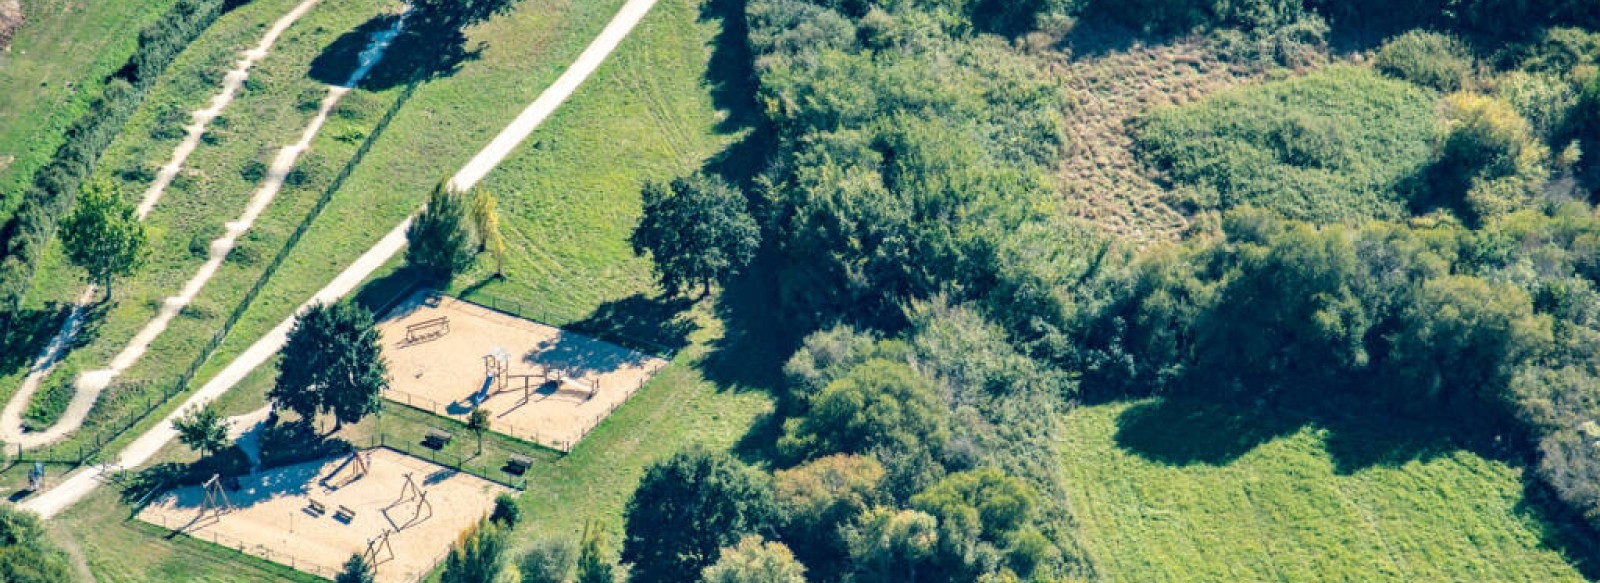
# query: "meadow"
x,y
1202,495
53,71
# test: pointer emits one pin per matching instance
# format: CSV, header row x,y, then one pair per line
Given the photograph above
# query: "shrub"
x,y
1429,59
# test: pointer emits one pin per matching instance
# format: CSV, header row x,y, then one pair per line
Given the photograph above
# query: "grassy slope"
x,y
1285,511
212,188
67,45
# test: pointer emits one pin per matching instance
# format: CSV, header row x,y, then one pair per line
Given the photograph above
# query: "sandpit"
x,y
273,515
556,385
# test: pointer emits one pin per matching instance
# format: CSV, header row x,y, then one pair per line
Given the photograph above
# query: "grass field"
x,y
214,186
1154,503
53,71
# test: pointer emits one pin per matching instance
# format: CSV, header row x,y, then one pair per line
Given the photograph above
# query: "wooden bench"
x,y
345,513
427,330
437,438
316,507
517,464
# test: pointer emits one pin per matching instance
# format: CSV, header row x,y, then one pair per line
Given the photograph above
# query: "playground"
x,y
401,512
537,382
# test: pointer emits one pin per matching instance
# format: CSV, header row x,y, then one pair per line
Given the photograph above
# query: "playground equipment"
x,y
410,492
497,379
216,502
357,463
375,544
426,330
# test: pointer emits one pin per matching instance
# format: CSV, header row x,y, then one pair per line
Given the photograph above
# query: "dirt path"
x,y
77,485
11,417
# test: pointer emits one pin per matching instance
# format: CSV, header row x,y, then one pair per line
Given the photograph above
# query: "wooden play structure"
x,y
354,468
374,546
426,330
497,379
216,501
410,492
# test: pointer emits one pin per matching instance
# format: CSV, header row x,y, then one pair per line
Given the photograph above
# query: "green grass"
x,y
213,187
54,69
1330,146
1152,504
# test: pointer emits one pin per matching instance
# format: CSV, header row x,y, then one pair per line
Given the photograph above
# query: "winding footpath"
x,y
88,390
53,501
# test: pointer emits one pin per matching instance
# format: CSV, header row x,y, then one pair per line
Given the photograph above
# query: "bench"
x,y
517,464
437,438
316,507
427,330
345,513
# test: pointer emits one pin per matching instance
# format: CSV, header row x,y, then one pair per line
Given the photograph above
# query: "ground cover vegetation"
x,y
26,235
214,187
53,69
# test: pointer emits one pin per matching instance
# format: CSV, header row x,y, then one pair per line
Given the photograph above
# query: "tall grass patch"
x,y
1335,145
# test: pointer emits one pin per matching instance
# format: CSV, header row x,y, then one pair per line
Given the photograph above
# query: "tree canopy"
x,y
687,508
103,235
698,229
440,238
332,362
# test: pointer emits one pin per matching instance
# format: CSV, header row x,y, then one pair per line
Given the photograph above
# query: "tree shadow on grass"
x,y
658,325
1185,431
419,52
1560,528
26,333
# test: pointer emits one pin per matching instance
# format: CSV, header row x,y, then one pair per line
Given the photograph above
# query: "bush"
x,y
1429,59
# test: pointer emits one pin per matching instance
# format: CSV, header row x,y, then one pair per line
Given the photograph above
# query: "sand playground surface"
x,y
273,517
555,387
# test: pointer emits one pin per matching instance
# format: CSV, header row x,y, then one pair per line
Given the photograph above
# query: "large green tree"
x,y
476,556
356,570
202,429
440,237
754,560
879,404
597,562
333,362
103,235
25,555
698,229
687,508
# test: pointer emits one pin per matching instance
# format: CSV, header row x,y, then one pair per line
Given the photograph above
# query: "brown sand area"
x,y
272,517
443,371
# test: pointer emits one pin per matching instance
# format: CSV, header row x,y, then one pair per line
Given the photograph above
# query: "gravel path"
x,y
77,485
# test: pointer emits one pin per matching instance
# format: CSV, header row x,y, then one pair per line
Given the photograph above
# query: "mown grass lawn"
x,y
53,71
1153,503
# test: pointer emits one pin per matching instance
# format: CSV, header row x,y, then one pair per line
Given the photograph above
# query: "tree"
x,y
550,560
103,235
201,429
486,222
755,561
595,562
333,362
506,512
440,238
25,555
478,422
356,570
686,509
475,558
819,497
880,403
698,229
889,545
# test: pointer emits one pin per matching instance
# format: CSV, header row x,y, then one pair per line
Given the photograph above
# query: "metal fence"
x,y
560,443
250,548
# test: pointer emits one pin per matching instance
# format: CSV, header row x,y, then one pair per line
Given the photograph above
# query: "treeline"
x,y
1491,18
24,239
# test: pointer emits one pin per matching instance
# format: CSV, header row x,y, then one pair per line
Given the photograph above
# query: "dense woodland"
x,y
1408,236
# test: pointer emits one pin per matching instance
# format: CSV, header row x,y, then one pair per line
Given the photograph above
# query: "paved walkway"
x,y
80,483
